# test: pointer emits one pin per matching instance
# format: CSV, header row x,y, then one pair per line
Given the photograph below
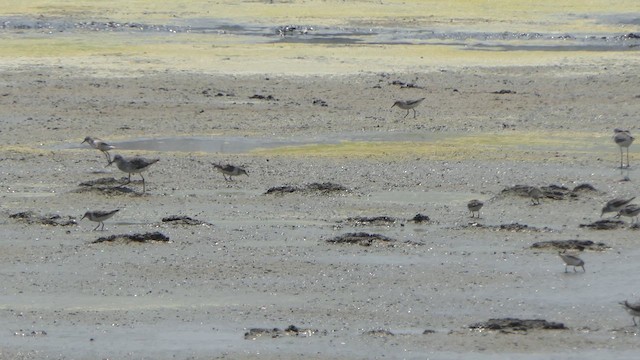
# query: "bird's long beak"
x,y
110,162
83,216
83,141
393,105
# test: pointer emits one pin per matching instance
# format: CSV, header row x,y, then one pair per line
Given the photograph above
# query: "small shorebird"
x,y
633,309
408,105
99,216
623,139
230,170
631,210
100,145
615,205
474,206
571,260
134,165
535,194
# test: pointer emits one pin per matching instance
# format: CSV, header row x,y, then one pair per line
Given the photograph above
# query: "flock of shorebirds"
x,y
623,207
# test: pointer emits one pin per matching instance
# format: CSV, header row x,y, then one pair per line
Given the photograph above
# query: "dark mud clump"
x,y
509,325
366,239
291,330
513,227
51,219
605,224
580,245
183,220
379,333
584,187
362,238
419,218
374,221
554,192
263,97
322,188
107,186
128,238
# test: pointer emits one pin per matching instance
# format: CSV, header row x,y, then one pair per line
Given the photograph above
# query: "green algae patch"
x,y
525,146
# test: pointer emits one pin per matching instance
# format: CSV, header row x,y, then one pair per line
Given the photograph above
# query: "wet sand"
x,y
263,260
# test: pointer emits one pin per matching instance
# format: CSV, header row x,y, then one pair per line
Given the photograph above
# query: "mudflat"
x,y
350,236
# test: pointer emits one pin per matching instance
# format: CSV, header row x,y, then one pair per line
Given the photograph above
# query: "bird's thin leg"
x,y
143,186
628,158
574,269
414,113
565,268
621,157
405,115
96,228
102,229
583,269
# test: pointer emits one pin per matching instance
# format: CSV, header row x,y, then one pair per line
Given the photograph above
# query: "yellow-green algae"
x,y
125,52
525,146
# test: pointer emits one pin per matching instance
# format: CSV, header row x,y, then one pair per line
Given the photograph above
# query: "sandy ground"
x,y
263,261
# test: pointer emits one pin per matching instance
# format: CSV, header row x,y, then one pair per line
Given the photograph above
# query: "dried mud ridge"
x,y
323,188
382,220
580,245
183,220
513,227
386,333
128,238
554,192
373,221
51,219
27,333
606,224
366,239
107,186
291,330
510,325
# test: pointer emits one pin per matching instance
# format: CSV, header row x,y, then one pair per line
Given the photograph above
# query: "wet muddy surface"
x,y
318,34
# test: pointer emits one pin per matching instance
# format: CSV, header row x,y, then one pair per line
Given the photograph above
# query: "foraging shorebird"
x,y
408,105
631,210
615,205
474,206
134,165
535,194
571,260
99,217
623,139
230,170
100,145
633,309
